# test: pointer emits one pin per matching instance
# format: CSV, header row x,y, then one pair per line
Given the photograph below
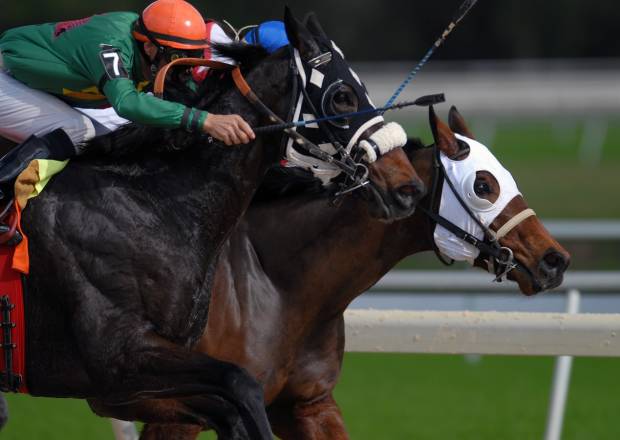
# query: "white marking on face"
x,y
317,78
370,101
337,49
357,78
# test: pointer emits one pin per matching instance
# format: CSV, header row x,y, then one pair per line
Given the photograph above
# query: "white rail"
x,y
520,334
453,280
584,229
496,333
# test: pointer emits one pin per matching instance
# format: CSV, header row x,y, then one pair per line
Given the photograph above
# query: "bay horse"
x,y
124,251
294,264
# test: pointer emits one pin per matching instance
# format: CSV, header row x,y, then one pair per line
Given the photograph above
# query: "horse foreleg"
x,y
214,393
318,420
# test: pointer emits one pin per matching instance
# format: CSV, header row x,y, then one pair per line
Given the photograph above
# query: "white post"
x,y
561,381
124,430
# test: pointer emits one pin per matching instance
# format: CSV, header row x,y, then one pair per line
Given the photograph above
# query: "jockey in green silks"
x,y
100,61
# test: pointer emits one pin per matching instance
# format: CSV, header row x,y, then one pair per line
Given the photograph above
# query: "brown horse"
x,y
292,267
116,294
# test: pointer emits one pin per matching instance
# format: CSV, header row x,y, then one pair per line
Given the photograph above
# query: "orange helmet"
x,y
172,23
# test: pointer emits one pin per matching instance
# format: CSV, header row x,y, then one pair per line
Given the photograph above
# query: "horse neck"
x,y
322,257
243,167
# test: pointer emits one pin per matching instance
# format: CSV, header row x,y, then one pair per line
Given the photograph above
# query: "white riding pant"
x,y
25,111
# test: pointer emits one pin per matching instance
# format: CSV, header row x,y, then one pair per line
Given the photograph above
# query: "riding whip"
x,y
463,10
423,101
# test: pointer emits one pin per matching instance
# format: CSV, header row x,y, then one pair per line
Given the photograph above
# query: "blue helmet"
x,y
271,35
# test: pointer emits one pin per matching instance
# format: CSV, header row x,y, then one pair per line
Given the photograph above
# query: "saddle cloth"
x,y
14,265
12,318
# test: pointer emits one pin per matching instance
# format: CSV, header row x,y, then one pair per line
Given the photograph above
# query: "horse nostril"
x,y
554,260
409,194
553,264
413,189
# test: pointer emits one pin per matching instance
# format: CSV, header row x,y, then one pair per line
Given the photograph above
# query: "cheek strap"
x,y
513,223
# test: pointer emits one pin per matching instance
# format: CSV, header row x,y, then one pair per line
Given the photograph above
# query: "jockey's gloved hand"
x,y
230,129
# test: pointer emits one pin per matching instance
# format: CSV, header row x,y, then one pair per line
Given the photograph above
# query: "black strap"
x,y
375,147
9,381
148,34
439,176
484,247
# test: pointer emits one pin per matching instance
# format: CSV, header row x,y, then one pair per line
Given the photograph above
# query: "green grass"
x,y
410,397
419,397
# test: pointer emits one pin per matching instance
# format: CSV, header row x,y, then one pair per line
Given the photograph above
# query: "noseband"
x,y
500,259
357,172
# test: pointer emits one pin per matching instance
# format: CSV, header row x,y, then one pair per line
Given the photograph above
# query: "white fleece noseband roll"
x,y
387,138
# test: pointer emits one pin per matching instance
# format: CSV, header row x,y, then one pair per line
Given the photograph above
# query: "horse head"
x,y
481,198
330,87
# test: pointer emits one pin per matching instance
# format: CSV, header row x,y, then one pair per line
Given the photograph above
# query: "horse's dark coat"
x,y
123,251
286,276
123,256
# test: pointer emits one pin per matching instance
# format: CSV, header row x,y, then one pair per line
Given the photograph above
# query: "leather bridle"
x,y
356,172
500,259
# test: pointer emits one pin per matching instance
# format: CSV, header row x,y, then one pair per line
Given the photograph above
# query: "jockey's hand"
x,y
230,129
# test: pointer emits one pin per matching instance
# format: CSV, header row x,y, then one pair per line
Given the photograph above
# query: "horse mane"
x,y
134,140
414,145
246,55
284,182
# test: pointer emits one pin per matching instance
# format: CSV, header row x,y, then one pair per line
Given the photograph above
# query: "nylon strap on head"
x,y
513,223
158,87
147,33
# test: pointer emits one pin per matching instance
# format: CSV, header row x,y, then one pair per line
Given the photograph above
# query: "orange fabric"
x,y
25,183
11,285
174,18
21,257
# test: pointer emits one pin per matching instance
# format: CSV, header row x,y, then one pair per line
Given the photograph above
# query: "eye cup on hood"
x,y
339,98
471,198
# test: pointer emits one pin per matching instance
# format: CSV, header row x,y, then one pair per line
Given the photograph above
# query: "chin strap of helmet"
x,y
161,50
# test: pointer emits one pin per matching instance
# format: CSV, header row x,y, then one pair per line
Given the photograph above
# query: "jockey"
x,y
96,62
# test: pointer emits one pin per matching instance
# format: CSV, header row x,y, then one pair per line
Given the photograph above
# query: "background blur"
x,y
539,83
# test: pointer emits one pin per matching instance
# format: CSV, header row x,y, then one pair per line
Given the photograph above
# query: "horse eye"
x,y
341,98
481,188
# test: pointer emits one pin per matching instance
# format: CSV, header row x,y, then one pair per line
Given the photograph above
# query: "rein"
x,y
423,101
500,259
350,169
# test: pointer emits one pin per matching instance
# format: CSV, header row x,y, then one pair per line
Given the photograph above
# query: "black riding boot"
x,y
55,145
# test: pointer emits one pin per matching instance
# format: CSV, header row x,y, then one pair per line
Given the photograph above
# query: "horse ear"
x,y
444,137
300,38
458,125
315,28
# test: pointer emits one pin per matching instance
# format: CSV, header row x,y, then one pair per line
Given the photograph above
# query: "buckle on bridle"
x,y
324,58
505,259
358,181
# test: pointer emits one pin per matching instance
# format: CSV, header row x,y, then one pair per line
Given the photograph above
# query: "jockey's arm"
x,y
116,83
146,109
